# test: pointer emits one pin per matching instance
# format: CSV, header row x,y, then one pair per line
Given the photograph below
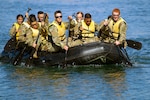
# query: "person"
x,y
88,28
36,39
57,31
117,27
33,39
103,33
24,27
41,15
73,32
44,22
14,30
29,34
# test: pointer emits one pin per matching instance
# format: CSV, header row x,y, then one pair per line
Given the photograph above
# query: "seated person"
x,y
57,33
115,28
14,31
88,28
74,26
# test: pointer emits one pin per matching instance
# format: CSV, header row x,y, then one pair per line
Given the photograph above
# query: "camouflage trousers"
x,y
110,40
89,40
48,46
73,43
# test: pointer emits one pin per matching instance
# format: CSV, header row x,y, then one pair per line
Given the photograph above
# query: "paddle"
x,y
68,32
18,58
134,44
11,44
27,12
124,54
67,43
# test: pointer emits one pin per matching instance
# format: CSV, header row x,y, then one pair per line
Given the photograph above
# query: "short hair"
x,y
88,15
32,18
40,12
79,12
19,15
116,10
58,11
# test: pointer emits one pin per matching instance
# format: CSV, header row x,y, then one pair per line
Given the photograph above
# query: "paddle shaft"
x,y
27,12
66,52
18,58
68,33
124,56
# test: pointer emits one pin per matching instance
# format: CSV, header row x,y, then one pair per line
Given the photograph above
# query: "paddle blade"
x,y
10,45
134,44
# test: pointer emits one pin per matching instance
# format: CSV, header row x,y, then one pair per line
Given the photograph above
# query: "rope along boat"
x,y
98,53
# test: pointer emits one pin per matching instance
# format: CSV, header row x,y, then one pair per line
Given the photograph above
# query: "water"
x,y
77,83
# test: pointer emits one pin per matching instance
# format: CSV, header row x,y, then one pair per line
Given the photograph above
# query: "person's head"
x,y
19,18
40,16
79,16
58,16
33,22
116,14
87,18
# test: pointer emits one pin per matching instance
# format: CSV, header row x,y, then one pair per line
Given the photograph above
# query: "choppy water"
x,y
88,83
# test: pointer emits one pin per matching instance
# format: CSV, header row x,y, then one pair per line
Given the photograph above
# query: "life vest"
x,y
17,27
35,33
114,27
61,30
88,30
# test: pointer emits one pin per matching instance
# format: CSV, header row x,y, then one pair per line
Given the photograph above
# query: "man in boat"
x,y
88,28
114,28
57,31
74,26
43,18
45,44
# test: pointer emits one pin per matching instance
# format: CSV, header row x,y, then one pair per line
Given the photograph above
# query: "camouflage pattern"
x,y
12,30
22,33
53,32
91,39
46,45
106,35
74,32
103,33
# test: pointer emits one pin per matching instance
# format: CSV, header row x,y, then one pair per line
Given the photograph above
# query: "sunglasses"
x,y
34,24
58,17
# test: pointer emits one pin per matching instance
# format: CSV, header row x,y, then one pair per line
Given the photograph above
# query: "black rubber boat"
x,y
98,53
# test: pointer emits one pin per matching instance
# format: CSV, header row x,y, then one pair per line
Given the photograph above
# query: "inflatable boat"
x,y
97,53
